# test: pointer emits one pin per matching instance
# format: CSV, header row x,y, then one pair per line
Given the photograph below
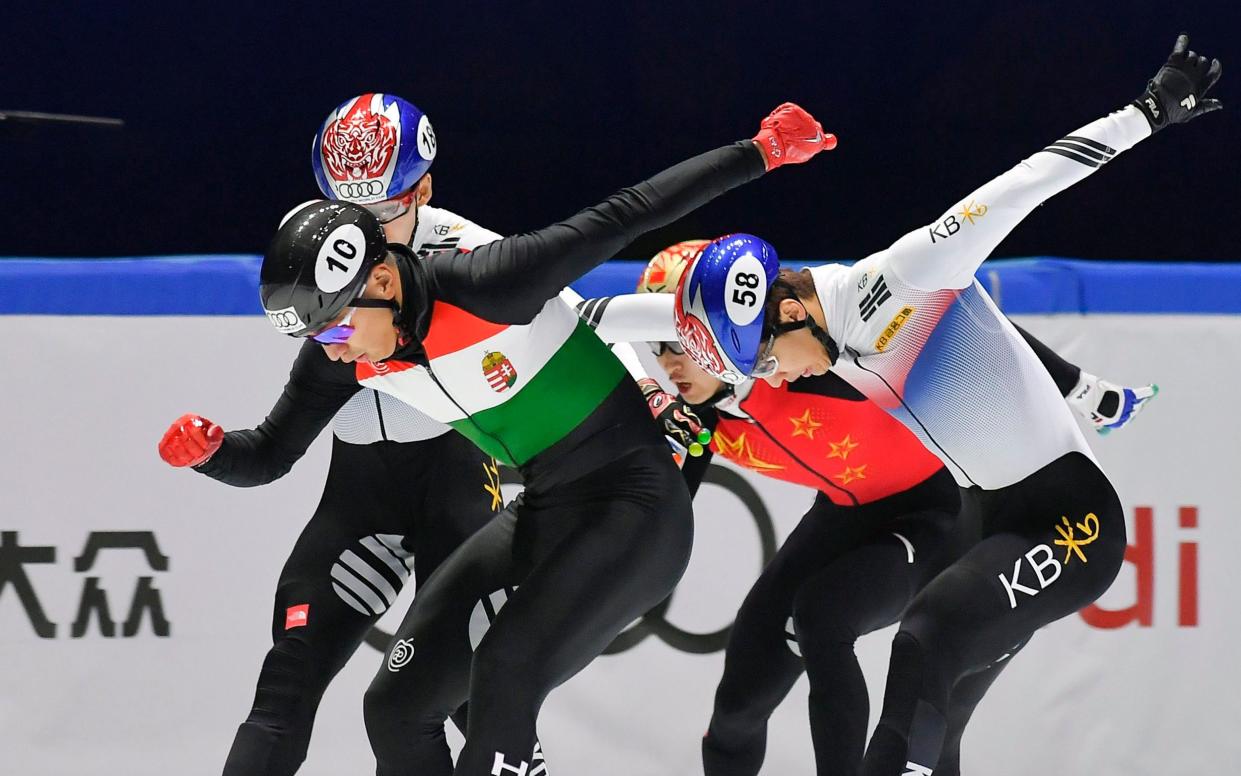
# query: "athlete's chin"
x,y
693,394
364,357
814,370
334,352
375,356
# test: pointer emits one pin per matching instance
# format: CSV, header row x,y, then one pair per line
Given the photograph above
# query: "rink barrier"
x,y
135,599
227,285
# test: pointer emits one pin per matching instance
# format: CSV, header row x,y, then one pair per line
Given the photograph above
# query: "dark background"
x,y
542,108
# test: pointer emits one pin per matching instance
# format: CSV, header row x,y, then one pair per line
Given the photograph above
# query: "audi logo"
x,y
284,320
655,622
359,189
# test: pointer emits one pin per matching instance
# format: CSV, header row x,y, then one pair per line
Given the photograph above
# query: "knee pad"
x,y
914,705
920,671
500,670
502,662
276,734
388,699
822,620
406,732
722,757
287,684
732,717
400,695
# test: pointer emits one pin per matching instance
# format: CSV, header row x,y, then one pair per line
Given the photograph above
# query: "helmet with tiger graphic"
x,y
373,149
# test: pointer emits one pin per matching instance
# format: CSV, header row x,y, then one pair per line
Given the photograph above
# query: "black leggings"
x,y
564,570
1049,545
386,508
1064,374
840,574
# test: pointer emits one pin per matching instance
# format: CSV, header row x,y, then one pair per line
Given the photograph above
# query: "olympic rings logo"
x,y
655,622
359,189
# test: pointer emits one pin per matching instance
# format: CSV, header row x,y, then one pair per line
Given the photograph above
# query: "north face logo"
x,y
296,616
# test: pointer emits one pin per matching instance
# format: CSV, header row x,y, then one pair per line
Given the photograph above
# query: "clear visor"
x,y
391,209
767,364
335,335
658,348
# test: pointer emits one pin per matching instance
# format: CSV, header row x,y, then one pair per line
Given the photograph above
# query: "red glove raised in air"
x,y
790,135
191,440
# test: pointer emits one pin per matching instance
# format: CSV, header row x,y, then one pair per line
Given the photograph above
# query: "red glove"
x,y
191,440
790,135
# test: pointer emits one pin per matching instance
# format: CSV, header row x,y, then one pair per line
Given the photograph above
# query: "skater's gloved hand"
x,y
675,418
1177,93
190,441
1108,406
790,135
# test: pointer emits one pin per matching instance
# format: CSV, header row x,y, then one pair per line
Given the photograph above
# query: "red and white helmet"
x,y
665,268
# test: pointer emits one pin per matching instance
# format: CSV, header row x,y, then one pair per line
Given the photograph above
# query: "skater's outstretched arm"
x,y
631,317
316,390
510,280
947,252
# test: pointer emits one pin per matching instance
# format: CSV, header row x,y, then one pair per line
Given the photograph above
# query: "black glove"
x,y
1177,92
675,418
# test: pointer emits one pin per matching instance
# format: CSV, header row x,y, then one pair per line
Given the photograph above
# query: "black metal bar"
x,y
30,117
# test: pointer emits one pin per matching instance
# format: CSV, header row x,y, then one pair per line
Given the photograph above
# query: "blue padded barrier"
x,y
227,285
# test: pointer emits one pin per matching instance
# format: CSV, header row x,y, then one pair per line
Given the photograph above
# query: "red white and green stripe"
x,y
512,390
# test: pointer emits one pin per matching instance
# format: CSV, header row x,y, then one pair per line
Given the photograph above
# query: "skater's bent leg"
x,y
425,674
617,560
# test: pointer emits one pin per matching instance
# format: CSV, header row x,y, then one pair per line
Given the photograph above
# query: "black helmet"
x,y
318,263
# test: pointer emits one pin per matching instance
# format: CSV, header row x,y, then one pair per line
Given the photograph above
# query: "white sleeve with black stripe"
x,y
631,317
438,229
591,311
947,253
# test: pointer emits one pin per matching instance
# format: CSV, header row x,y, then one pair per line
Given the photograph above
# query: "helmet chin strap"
x,y
375,303
726,391
817,331
413,317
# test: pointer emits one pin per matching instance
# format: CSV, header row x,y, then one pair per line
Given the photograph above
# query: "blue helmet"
x,y
719,304
373,147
